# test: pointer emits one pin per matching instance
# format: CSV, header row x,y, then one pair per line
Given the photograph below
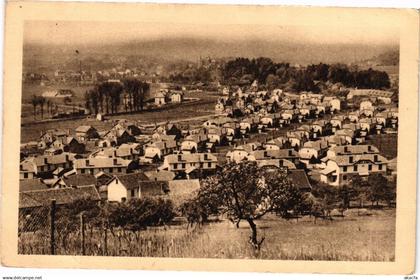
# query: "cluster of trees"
x,y
106,97
135,215
242,71
247,192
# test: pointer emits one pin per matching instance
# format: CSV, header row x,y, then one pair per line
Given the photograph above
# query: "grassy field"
x,y
202,107
352,238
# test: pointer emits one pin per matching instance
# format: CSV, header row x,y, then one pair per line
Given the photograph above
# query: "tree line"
x,y
41,101
107,97
242,71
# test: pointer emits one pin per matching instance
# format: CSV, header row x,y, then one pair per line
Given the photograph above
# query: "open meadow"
x,y
204,106
351,238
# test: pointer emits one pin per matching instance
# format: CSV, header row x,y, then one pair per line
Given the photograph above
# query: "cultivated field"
x,y
355,238
176,112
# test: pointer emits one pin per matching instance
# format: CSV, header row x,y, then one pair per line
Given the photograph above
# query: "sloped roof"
x,y
30,199
299,179
196,157
153,188
77,180
160,175
84,128
31,185
354,149
100,163
132,180
343,160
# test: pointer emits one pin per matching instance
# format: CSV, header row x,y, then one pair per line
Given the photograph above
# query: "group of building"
x,y
307,134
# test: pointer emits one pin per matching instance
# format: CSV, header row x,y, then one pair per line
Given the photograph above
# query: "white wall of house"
x,y
187,145
116,191
335,104
308,153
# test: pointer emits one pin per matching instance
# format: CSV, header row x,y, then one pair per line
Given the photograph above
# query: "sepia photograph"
x,y
212,140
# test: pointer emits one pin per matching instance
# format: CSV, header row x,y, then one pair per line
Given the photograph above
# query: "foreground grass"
x,y
352,238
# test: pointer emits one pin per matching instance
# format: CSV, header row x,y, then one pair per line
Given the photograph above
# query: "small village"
x,y
315,138
160,161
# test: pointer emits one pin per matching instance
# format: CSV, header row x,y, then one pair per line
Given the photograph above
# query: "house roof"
x,y
354,149
344,160
196,157
84,128
274,154
132,180
299,179
30,199
31,185
317,145
153,188
77,180
160,175
100,163
43,160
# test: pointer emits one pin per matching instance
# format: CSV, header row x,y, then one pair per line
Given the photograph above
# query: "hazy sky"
x,y
71,32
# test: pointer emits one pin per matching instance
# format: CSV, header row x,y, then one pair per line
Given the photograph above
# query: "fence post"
x,y
52,227
82,233
105,241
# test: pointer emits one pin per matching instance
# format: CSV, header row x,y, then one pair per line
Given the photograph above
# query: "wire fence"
x,y
54,230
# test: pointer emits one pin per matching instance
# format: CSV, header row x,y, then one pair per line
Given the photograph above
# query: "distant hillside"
x,y
388,58
164,51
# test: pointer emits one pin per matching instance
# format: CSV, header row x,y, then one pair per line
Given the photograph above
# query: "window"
x,y
355,168
370,167
133,193
42,168
345,177
380,166
82,171
201,165
175,165
25,175
119,169
345,168
209,164
110,170
351,159
183,166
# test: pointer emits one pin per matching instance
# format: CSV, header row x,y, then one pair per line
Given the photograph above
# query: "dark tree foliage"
x,y
138,214
242,71
106,97
379,188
